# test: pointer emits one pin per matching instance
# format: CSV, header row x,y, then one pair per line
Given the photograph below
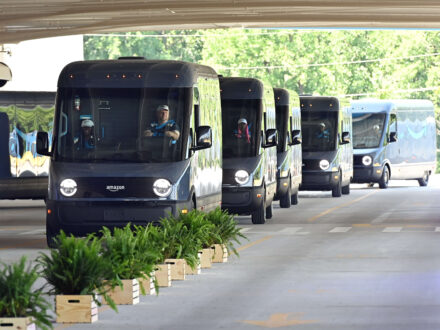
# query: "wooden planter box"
x,y
197,270
76,309
177,267
128,295
220,253
148,284
17,323
163,275
206,258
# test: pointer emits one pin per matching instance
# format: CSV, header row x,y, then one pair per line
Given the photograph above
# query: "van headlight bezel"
x,y
324,164
367,160
162,187
68,187
241,177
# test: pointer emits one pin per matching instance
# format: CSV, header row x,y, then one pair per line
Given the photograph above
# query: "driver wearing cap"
x,y
163,126
86,139
242,131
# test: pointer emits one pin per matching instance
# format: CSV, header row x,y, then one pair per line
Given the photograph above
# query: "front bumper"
x,y
319,180
363,174
81,218
242,200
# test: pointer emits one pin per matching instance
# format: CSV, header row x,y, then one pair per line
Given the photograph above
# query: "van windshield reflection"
x,y
367,130
319,129
121,125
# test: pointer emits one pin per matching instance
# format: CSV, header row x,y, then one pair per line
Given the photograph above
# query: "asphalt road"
x,y
369,260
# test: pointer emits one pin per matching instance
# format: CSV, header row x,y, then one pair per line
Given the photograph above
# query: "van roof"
x,y
319,103
373,105
281,96
237,88
133,73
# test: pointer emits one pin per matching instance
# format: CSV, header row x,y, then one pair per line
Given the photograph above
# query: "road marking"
x,y
244,229
290,230
34,232
280,320
340,230
340,206
392,230
437,229
244,247
381,218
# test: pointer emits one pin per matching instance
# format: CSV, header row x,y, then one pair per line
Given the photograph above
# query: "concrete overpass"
x,y
29,19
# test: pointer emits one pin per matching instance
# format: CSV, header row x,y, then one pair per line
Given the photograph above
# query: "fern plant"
x,y
204,231
226,229
129,257
76,267
18,298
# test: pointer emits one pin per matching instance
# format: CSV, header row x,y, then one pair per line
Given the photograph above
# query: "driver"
x,y
163,126
86,140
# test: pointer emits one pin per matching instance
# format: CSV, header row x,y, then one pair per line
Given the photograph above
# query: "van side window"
x,y
393,123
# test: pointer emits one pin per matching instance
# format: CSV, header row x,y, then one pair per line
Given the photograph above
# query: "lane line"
x,y
392,230
340,206
340,230
34,232
244,229
290,230
244,247
437,229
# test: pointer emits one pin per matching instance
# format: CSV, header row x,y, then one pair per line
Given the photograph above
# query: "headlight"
x,y
68,187
367,160
241,177
162,187
324,164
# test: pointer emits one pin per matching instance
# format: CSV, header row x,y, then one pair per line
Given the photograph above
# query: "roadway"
x,y
369,260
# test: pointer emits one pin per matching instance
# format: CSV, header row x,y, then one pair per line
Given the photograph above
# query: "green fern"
x,y
18,298
76,267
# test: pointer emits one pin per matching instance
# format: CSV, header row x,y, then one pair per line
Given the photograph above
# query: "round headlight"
x,y
241,177
324,164
68,187
162,187
367,160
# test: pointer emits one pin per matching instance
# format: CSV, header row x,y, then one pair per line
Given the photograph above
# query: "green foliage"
x,y
18,298
126,254
204,231
438,162
226,228
76,267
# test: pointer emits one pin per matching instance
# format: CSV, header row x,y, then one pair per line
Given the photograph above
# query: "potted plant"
x,y
77,273
128,263
227,233
204,232
22,306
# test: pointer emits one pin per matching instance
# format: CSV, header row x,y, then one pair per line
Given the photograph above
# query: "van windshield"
x,y
121,125
367,130
319,130
282,118
241,122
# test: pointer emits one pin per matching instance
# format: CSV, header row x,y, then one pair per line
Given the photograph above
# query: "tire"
x,y
346,190
50,235
294,198
337,191
285,201
385,178
259,216
423,182
269,211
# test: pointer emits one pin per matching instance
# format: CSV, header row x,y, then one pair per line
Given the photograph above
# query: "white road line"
x,y
245,229
34,232
290,230
437,229
392,230
340,230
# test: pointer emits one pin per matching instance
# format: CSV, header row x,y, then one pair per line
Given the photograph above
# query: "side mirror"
x,y
271,138
43,144
345,138
203,138
393,137
296,137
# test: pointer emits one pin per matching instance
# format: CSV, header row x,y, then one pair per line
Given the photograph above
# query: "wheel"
x,y
337,191
294,197
269,211
285,201
385,178
258,216
50,235
423,182
346,190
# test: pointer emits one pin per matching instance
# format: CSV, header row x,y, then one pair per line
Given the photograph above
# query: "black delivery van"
x,y
327,151
289,158
133,141
249,147
393,139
